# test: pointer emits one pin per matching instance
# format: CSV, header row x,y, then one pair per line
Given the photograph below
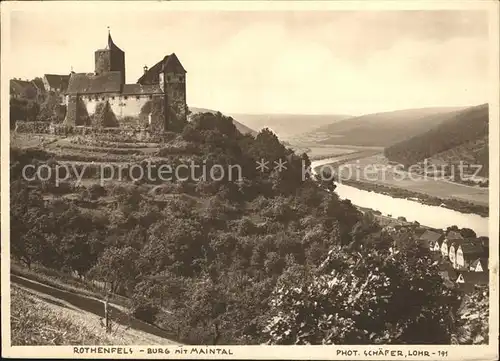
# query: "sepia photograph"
x,y
229,174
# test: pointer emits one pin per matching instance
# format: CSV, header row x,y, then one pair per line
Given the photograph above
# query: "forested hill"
x,y
466,133
243,129
382,129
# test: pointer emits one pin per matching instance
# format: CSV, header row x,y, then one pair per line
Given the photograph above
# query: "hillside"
x,y
235,259
40,319
380,129
462,137
243,129
288,126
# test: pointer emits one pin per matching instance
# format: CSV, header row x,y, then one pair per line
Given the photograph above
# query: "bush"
x,y
32,127
146,312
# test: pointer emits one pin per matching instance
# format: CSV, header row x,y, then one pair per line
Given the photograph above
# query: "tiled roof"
x,y
57,81
430,236
82,83
458,242
22,88
477,278
483,261
111,45
452,235
170,63
134,89
151,76
471,249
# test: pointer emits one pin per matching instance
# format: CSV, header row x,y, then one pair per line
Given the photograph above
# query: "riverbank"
x,y
453,204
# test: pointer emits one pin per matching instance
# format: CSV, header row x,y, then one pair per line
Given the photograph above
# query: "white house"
x,y
479,265
444,249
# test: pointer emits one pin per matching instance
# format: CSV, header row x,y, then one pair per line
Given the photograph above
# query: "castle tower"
x,y
172,81
112,58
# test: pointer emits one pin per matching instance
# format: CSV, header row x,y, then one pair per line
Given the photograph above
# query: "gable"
x,y
173,65
152,75
430,236
169,63
23,88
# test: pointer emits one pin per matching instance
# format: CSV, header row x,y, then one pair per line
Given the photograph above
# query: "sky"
x,y
302,62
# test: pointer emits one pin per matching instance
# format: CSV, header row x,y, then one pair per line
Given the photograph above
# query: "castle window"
x,y
112,98
137,97
103,98
150,97
125,97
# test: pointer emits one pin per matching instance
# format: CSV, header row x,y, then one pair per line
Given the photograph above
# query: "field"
x,y
317,151
375,169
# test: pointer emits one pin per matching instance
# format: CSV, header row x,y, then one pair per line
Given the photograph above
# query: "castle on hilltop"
x,y
157,99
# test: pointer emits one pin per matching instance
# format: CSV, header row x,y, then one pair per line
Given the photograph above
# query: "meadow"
x,y
376,169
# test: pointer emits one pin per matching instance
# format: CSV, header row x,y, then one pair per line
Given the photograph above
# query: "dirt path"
x,y
91,305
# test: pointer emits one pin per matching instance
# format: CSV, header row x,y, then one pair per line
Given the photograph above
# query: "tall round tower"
x,y
111,58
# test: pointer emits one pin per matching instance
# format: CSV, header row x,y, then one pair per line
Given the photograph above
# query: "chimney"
x,y
145,69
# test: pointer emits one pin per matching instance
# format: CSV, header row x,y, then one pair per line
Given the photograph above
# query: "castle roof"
x,y
57,81
82,83
22,88
430,236
111,45
482,260
472,250
137,89
169,63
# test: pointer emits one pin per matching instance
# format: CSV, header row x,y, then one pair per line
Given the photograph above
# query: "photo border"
x,y
459,352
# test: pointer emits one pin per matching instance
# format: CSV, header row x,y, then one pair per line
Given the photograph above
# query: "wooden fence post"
x,y
106,314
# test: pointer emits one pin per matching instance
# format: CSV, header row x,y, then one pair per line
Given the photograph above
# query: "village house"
x,y
479,265
163,87
56,83
467,281
450,238
455,250
430,239
467,253
24,89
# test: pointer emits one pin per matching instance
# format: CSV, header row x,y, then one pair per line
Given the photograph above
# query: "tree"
x,y
363,298
116,266
51,110
468,233
104,116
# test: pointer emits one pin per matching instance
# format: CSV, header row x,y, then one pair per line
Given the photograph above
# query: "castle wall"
x,y
124,107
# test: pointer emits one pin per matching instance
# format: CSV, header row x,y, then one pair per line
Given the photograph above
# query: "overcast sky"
x,y
277,62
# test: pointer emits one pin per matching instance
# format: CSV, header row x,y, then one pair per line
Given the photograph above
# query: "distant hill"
x,y
287,126
241,127
381,129
464,136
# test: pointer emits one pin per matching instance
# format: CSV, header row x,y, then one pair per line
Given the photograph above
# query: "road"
x,y
91,305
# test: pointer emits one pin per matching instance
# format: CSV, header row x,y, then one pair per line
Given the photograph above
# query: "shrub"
x,y
32,127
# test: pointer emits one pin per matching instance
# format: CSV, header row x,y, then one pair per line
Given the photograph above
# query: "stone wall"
x,y
127,108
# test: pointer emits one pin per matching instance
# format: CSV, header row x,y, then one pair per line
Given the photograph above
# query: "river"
x,y
431,216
